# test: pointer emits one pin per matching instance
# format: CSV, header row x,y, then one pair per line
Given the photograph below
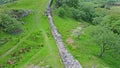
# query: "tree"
x,y
78,15
88,10
70,3
112,22
105,38
60,3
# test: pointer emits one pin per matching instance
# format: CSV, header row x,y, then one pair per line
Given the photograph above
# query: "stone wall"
x,y
67,58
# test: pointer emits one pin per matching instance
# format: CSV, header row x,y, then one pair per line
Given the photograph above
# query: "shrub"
x,y
97,20
61,11
112,22
8,24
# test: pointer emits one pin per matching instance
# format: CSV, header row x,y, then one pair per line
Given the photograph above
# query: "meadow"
x,y
35,45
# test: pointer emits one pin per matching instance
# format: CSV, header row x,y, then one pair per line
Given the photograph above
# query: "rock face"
x,y
67,58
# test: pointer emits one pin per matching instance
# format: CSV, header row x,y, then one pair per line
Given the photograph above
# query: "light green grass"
x,y
115,9
83,49
36,25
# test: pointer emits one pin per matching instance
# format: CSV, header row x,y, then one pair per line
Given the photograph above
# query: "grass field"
x,y
115,9
36,42
36,46
83,49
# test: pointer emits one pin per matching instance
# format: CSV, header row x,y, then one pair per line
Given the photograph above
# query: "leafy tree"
x,y
77,14
59,3
70,3
88,10
112,22
106,39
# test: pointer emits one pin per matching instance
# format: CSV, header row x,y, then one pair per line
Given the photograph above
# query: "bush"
x,y
97,20
78,15
112,22
8,24
69,3
61,11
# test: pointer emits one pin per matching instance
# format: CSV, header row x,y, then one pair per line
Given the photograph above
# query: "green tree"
x,y
105,38
70,3
112,22
88,10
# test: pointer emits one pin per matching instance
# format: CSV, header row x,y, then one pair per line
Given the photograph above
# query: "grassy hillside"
x,y
79,51
35,46
83,48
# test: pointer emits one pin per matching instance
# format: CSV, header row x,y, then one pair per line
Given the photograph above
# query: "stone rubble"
x,y
67,58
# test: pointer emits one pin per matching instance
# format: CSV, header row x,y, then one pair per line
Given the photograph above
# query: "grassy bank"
x,y
36,41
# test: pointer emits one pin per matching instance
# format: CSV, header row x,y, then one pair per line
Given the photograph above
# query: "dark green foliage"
x,y
11,20
69,3
61,12
88,10
106,39
84,12
78,15
112,22
72,3
97,20
8,24
18,14
59,3
6,1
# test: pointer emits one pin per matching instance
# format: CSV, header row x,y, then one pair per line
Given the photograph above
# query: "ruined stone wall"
x,y
67,58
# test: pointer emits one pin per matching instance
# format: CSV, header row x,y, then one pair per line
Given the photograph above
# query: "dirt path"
x,y
67,58
24,38
14,47
38,25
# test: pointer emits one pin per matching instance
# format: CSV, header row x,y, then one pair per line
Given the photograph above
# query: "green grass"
x,y
83,49
36,33
115,9
43,50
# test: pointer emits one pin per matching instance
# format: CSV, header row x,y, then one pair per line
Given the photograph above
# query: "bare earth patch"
x,y
70,41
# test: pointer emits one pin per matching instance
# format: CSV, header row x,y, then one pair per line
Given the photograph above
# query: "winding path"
x,y
67,58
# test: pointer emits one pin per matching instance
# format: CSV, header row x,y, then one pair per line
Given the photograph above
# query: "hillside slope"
x,y
36,40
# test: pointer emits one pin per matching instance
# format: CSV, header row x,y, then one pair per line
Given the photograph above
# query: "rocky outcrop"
x,y
67,58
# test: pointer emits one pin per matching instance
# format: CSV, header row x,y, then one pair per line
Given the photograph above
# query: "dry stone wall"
x,y
67,58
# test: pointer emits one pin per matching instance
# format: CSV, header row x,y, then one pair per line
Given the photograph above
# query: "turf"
x,y
36,36
83,48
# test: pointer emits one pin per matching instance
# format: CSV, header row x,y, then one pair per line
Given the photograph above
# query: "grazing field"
x,y
83,48
89,29
115,9
35,46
